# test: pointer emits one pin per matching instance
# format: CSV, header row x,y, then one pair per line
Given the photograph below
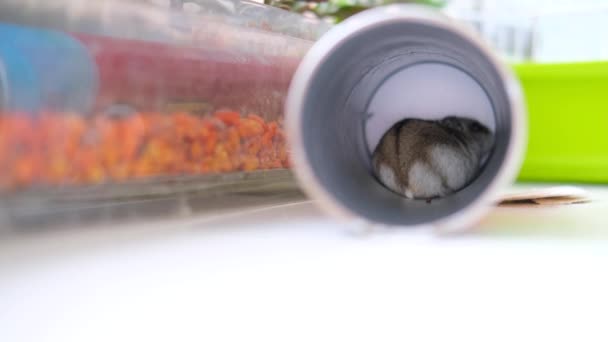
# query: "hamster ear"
x,y
453,123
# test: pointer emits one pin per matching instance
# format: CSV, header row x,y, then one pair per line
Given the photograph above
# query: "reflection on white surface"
x,y
288,273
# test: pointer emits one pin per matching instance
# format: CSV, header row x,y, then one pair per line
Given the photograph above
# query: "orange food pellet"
x,y
251,163
228,117
24,170
58,168
67,148
253,146
250,127
257,119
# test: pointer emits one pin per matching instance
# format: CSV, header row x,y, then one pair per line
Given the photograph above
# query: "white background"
x,y
288,273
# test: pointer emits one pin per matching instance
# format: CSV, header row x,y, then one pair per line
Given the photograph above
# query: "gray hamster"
x,y
423,159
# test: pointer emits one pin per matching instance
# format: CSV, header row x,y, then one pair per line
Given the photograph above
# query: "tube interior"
x,y
429,91
379,76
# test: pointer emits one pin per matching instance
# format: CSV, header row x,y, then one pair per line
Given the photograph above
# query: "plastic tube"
x,y
114,91
357,81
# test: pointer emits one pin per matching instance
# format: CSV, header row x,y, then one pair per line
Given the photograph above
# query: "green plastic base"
x,y
568,121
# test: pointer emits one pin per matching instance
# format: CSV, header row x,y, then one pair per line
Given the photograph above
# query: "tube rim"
x,y
473,211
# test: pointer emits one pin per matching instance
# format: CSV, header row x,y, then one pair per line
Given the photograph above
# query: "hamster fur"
x,y
423,159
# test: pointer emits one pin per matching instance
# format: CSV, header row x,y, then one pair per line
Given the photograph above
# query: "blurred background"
x,y
542,31
147,192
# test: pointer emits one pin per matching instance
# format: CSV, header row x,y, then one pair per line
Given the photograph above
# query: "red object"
x,y
150,76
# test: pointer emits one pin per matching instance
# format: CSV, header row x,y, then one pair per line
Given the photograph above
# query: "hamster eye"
x,y
476,127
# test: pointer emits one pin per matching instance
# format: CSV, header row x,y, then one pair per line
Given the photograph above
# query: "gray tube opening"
x,y
336,115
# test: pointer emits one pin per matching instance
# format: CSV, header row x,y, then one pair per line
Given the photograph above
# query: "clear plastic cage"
x,y
131,99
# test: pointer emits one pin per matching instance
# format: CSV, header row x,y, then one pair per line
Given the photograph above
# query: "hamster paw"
x,y
408,193
424,181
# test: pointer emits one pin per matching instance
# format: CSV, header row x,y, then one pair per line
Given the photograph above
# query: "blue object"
x,y
44,70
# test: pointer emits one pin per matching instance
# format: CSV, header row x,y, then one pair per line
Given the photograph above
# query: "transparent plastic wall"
x,y
100,95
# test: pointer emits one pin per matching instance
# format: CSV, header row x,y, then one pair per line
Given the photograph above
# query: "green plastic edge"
x,y
568,121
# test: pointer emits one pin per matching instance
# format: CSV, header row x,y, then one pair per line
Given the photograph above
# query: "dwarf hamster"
x,y
427,159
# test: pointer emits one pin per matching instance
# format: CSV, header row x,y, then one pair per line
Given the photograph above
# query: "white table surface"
x,y
288,273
